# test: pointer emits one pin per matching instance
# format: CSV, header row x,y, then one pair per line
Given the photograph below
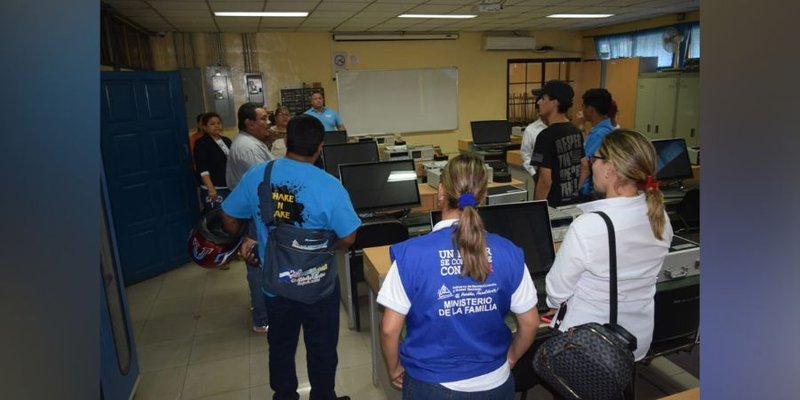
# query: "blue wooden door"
x,y
145,148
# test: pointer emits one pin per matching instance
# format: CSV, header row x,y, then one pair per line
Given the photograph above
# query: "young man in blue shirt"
x,y
596,106
310,199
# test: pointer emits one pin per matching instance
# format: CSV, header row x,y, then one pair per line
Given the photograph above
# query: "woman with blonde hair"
x,y
451,289
623,168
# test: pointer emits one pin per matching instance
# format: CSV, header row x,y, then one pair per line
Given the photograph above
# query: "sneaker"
x,y
260,329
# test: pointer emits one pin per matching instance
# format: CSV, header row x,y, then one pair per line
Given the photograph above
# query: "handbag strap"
x,y
612,262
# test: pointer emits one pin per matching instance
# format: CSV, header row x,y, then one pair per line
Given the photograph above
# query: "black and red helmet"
x,y
209,245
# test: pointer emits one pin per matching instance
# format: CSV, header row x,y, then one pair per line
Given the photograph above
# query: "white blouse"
x,y
579,276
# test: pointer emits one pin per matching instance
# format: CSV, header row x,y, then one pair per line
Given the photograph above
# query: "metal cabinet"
x,y
687,112
655,106
667,106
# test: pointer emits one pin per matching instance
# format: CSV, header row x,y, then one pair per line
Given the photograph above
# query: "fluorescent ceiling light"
x,y
580,15
446,16
400,176
261,14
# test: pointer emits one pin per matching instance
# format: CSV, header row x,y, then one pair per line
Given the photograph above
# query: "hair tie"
x,y
651,183
466,200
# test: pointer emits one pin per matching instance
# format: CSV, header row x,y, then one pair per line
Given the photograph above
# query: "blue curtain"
x,y
648,43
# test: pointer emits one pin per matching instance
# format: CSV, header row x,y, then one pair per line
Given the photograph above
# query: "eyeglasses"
x,y
595,157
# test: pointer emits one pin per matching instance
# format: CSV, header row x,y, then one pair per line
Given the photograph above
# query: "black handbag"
x,y
590,361
299,264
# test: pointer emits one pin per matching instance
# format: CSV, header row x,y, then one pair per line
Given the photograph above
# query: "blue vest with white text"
x,y
455,328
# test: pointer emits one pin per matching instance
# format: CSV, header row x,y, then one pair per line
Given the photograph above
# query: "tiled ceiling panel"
x,y
381,15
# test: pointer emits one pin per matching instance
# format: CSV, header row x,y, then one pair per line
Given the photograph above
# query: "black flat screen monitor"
x,y
335,137
526,224
348,153
490,132
672,160
379,186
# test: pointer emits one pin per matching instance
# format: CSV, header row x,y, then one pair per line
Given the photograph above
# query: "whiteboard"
x,y
398,101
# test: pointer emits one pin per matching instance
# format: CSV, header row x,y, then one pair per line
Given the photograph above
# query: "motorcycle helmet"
x,y
209,245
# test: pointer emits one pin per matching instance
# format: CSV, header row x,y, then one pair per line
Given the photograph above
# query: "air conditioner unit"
x,y
509,43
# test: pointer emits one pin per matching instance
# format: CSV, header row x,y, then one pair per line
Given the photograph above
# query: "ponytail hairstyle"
x,y
634,158
464,181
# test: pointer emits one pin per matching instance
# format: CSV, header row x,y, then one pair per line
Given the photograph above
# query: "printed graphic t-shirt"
x,y
560,148
303,195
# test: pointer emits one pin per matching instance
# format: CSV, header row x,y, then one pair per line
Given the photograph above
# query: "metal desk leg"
x,y
348,278
373,332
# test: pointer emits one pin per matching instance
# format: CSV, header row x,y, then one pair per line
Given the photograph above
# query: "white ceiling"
x,y
381,15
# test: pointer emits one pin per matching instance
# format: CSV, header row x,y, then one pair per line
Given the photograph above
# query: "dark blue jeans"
x,y
257,297
320,324
416,389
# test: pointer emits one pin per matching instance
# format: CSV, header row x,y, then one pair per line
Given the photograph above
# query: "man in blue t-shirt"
x,y
311,199
596,106
329,118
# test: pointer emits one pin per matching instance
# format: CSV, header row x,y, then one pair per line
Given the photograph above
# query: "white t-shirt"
x,y
392,295
528,141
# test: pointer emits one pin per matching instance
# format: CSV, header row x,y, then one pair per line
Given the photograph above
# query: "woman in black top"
x,y
211,155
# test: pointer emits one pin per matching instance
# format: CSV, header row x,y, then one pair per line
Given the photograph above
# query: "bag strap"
x,y
612,255
265,197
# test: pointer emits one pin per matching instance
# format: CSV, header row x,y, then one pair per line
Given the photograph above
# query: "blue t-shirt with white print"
x,y
303,195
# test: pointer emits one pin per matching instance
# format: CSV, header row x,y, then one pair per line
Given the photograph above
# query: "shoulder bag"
x,y
592,360
299,264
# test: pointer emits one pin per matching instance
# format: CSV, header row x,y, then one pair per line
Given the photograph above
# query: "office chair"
x,y
370,234
688,210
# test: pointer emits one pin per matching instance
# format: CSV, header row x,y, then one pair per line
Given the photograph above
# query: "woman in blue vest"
x,y
451,289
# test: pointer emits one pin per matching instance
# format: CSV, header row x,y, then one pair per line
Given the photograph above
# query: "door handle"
x,y
656,128
692,133
648,128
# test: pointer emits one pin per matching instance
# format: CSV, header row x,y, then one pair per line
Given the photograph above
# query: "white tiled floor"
x,y
192,331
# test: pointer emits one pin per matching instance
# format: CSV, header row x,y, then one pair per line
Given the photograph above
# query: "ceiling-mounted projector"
x,y
488,8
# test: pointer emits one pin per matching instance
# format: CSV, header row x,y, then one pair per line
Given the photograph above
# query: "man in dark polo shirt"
x,y
558,154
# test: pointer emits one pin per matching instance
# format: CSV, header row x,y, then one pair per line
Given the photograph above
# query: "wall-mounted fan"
x,y
671,40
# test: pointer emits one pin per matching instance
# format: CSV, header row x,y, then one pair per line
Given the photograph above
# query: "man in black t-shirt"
x,y
558,154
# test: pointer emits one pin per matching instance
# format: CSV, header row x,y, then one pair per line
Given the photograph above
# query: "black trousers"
x,y
320,324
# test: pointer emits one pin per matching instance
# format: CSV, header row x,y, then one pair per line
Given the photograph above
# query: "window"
x,y
650,43
526,75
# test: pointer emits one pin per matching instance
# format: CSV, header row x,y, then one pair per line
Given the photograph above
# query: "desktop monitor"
x,y
335,137
672,159
347,153
379,186
490,132
526,224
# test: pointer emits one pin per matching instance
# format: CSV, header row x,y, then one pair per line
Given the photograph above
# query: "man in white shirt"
x,y
250,148
529,140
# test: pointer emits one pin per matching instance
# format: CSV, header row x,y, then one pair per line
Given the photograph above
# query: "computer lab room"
x,y
409,85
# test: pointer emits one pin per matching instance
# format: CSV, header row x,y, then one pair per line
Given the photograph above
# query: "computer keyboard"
x,y
497,165
557,214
